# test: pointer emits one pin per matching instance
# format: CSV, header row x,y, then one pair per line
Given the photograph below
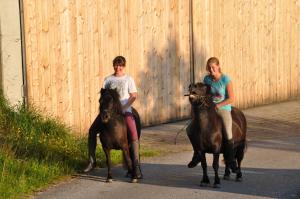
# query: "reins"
x,y
186,124
204,103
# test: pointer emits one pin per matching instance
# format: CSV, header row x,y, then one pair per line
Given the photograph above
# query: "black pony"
x,y
114,133
206,132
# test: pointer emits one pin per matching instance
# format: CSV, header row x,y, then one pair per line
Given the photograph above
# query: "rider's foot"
x,y
90,167
139,174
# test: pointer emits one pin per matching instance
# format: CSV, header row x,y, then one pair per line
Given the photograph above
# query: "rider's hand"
x,y
212,71
125,107
217,107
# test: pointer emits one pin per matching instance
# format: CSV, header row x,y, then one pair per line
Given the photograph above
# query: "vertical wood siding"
x,y
70,45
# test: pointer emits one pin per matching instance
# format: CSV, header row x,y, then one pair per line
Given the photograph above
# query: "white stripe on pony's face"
x,y
192,96
106,108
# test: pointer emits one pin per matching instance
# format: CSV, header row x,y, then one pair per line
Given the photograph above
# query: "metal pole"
x,y
192,61
23,54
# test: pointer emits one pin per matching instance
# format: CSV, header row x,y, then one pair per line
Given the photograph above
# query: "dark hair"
x,y
119,60
210,61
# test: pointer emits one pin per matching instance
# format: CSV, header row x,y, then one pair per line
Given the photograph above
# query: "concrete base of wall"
x,y
10,51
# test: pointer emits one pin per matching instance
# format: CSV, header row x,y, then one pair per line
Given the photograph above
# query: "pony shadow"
x,y
100,174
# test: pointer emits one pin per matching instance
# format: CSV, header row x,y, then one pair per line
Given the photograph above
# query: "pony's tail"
x,y
241,150
245,146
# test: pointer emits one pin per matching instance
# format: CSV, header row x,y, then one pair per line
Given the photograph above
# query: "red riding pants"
x,y
131,126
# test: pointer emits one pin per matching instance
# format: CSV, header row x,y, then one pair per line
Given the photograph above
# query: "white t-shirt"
x,y
124,85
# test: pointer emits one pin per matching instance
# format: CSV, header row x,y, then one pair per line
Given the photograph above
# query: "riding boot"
x,y
229,156
195,160
92,158
137,173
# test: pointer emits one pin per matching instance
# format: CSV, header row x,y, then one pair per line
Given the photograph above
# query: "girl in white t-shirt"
x,y
126,88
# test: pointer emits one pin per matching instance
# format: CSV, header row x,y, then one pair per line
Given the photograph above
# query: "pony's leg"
x,y
216,168
227,170
127,159
196,159
205,179
129,170
108,163
239,157
227,173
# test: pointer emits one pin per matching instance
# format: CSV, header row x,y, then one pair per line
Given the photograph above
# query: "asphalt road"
x,y
271,167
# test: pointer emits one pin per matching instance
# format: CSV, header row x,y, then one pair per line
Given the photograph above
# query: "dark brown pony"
x,y
206,132
114,134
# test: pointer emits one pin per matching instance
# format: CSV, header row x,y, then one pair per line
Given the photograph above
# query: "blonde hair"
x,y
210,61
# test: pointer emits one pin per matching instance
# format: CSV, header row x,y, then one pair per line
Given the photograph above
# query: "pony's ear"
x,y
102,91
190,86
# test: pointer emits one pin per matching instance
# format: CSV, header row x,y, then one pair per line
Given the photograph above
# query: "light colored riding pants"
x,y
227,122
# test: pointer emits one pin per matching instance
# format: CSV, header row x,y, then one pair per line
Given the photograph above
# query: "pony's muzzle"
x,y
104,116
191,96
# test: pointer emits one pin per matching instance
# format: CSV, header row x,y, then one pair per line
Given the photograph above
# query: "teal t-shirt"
x,y
218,89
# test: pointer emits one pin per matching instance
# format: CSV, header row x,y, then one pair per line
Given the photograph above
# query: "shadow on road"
x,y
278,183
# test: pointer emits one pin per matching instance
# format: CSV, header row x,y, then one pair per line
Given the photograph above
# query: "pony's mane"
x,y
116,98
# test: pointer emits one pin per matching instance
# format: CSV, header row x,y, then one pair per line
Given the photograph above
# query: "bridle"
x,y
204,101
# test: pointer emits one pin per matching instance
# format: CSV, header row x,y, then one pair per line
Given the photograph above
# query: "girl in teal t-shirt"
x,y
219,89
222,96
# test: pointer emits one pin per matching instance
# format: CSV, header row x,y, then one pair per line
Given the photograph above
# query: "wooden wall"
x,y
70,45
257,42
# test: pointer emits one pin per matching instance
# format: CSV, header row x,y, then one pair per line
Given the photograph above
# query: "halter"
x,y
204,102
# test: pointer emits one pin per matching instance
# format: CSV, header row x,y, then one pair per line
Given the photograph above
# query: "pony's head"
x,y
199,94
109,104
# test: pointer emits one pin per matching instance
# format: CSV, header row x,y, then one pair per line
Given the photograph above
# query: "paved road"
x,y
271,167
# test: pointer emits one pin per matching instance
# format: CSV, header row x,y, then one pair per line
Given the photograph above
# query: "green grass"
x,y
36,151
147,152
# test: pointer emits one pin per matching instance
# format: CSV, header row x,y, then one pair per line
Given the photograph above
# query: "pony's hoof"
x,y
217,186
109,180
134,180
239,179
226,177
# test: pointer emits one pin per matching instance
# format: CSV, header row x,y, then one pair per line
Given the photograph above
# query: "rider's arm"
x,y
131,99
230,98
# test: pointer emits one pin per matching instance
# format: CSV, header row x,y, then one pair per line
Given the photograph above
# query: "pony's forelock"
x,y
116,98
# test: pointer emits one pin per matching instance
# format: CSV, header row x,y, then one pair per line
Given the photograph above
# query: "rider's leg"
x,y
229,145
92,143
131,125
196,159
